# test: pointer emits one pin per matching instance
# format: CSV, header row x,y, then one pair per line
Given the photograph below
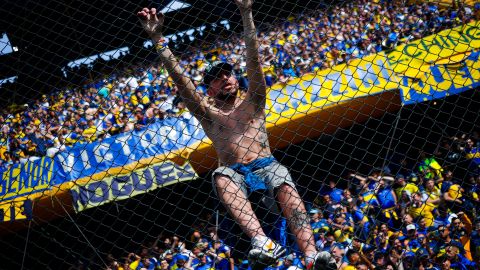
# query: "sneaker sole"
x,y
256,256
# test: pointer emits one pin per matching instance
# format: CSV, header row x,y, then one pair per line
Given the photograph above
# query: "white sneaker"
x,y
265,251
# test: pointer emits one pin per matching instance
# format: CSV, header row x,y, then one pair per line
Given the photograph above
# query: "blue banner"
x,y
85,160
28,178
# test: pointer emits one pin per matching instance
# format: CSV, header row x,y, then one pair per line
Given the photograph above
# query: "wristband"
x,y
161,45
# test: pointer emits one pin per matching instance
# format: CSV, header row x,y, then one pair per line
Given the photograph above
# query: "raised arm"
x,y
153,24
256,81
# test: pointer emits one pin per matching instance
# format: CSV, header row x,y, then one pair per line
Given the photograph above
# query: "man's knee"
x,y
285,189
225,184
221,179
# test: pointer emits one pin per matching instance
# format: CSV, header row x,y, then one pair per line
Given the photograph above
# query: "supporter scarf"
x,y
254,182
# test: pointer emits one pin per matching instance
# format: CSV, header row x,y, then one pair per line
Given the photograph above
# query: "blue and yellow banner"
x,y
438,65
16,210
361,77
28,178
121,187
130,148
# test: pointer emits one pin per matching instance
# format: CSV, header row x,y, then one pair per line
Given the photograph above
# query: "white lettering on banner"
x,y
85,161
101,153
183,129
164,132
148,138
67,164
123,141
194,122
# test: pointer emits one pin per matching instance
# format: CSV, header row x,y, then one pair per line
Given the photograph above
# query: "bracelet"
x,y
161,45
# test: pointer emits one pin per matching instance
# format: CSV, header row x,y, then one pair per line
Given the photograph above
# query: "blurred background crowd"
x,y
415,213
412,214
129,97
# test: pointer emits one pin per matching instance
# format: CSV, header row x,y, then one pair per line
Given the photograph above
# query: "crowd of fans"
x,y
398,217
407,215
131,98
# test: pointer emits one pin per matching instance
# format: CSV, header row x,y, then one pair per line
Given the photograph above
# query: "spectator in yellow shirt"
x,y
402,185
432,193
419,209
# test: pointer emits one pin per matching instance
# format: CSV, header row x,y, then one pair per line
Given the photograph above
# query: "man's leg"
x,y
264,250
238,206
298,220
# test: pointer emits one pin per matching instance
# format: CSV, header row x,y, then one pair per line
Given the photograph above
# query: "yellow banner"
x,y
446,47
15,210
121,187
361,77
443,4
439,65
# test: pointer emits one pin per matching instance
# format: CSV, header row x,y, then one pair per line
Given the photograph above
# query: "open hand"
x,y
152,22
244,5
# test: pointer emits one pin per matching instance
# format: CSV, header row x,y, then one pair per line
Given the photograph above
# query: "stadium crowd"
x,y
140,94
415,213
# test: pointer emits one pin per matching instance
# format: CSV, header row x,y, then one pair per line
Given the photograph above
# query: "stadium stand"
x,y
132,97
413,213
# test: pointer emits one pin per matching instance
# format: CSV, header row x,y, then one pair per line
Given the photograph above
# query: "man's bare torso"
x,y
239,135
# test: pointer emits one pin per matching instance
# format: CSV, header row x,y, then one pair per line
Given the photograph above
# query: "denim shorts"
x,y
273,175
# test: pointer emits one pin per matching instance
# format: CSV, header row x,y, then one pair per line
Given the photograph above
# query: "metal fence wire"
x,y
240,134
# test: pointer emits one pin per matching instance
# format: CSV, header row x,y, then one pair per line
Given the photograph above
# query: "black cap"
x,y
213,70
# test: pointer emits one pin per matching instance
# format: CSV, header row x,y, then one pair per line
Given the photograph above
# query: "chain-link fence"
x,y
219,135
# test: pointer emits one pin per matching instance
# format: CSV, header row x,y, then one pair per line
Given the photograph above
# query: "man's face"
x,y
457,224
354,258
164,265
416,199
338,253
422,223
197,235
330,239
398,244
362,267
381,184
356,243
451,252
470,143
430,184
446,265
443,231
224,86
407,219
384,228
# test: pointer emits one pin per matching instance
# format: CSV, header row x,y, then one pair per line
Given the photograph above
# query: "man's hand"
x,y
244,5
152,22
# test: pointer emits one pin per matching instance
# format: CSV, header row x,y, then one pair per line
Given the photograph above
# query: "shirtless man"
x,y
237,129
